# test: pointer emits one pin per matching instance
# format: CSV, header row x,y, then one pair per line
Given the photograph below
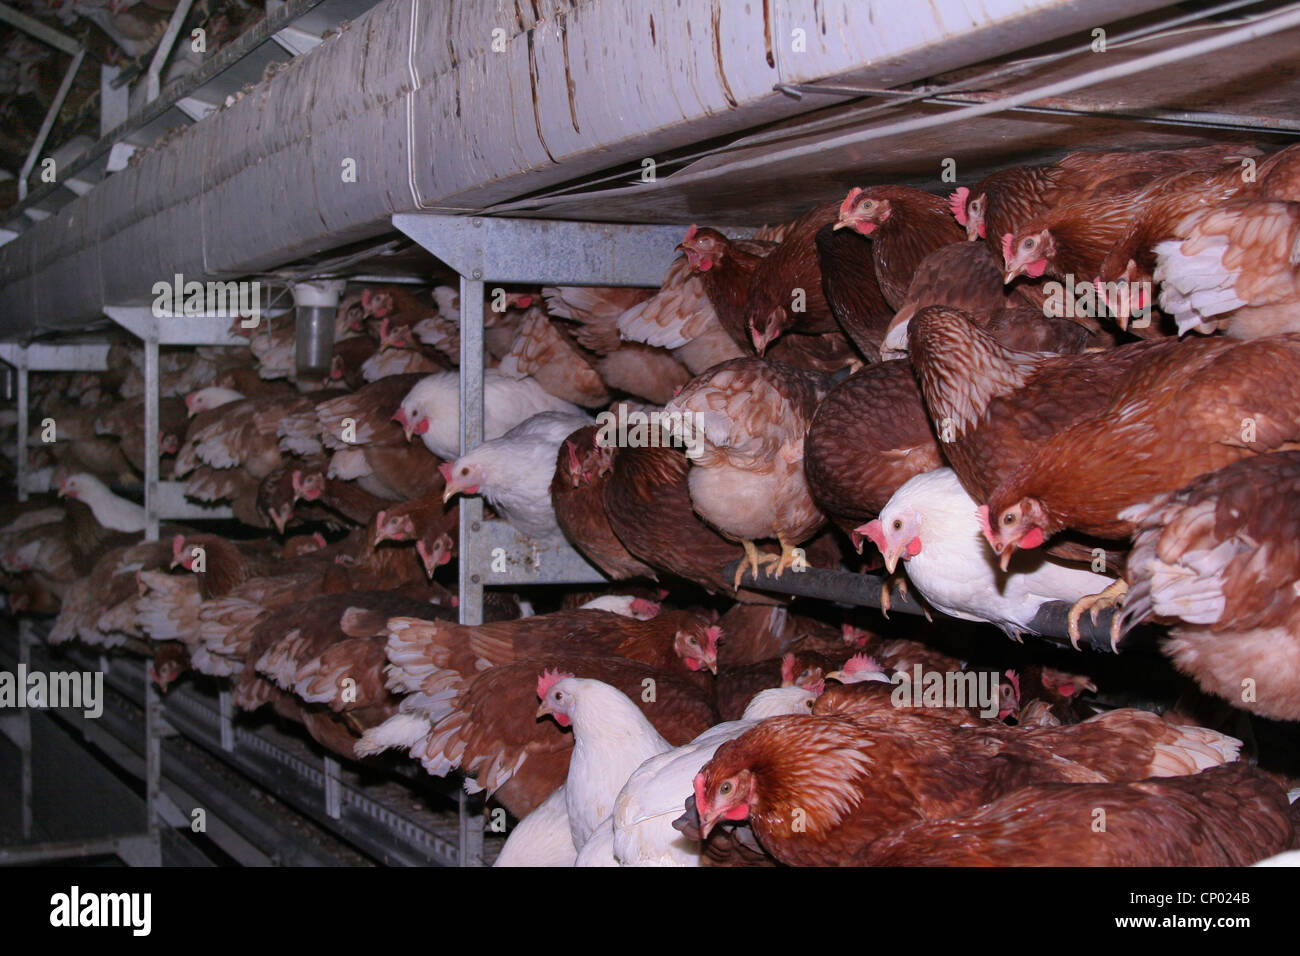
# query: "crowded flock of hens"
x,y
1076,382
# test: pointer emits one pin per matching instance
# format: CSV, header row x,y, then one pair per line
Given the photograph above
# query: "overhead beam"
x,y
36,28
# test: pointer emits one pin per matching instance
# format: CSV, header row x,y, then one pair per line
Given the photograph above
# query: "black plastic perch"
x,y
863,590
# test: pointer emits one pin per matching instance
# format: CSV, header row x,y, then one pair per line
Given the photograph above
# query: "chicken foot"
x,y
1112,597
897,582
753,561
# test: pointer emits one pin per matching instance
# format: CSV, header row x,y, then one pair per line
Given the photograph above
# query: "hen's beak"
x,y
463,485
543,710
845,222
1008,550
407,428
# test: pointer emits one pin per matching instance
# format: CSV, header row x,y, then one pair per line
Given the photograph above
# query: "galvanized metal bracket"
x,y
205,329
528,251
486,249
165,500
551,252
43,357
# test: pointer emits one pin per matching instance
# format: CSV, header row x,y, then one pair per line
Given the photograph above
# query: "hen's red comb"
x,y
1014,678
874,531
547,680
817,689
787,668
319,539
701,804
859,663
445,470
847,205
366,295
957,203
983,512
178,545
690,233
713,635
1006,247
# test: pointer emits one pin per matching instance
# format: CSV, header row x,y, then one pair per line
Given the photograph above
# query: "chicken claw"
x,y
752,561
898,582
790,555
1112,597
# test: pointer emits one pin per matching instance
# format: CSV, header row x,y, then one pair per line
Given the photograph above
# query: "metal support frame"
x,y
17,727
165,500
145,848
333,788
226,718
32,26
114,99
152,80
524,251
47,124
16,356
43,358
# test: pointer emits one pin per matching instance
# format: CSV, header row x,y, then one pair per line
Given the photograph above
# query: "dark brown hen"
x,y
1227,816
1218,560
904,226
582,471
869,436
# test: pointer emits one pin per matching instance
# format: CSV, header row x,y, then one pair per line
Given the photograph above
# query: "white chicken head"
x,y
80,485
412,419
463,477
558,694
206,399
897,533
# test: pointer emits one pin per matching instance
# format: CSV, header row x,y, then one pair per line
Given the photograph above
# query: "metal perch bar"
x,y
863,590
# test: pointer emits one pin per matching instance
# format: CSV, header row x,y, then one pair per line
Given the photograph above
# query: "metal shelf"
x,y
381,820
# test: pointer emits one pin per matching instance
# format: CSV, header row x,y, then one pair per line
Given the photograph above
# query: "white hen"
x,y
432,409
514,472
542,838
656,793
933,525
110,510
611,738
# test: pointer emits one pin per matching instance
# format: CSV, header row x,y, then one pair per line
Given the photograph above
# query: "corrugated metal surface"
x,y
434,118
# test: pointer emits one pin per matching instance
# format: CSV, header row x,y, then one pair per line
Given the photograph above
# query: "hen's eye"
x,y
898,525
559,696
725,788
1008,518
464,471
1027,244
693,642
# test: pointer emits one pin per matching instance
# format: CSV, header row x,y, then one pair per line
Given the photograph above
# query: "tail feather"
x,y
1193,749
402,731
280,662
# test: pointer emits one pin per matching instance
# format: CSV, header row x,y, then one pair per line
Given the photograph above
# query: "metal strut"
x,y
529,252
